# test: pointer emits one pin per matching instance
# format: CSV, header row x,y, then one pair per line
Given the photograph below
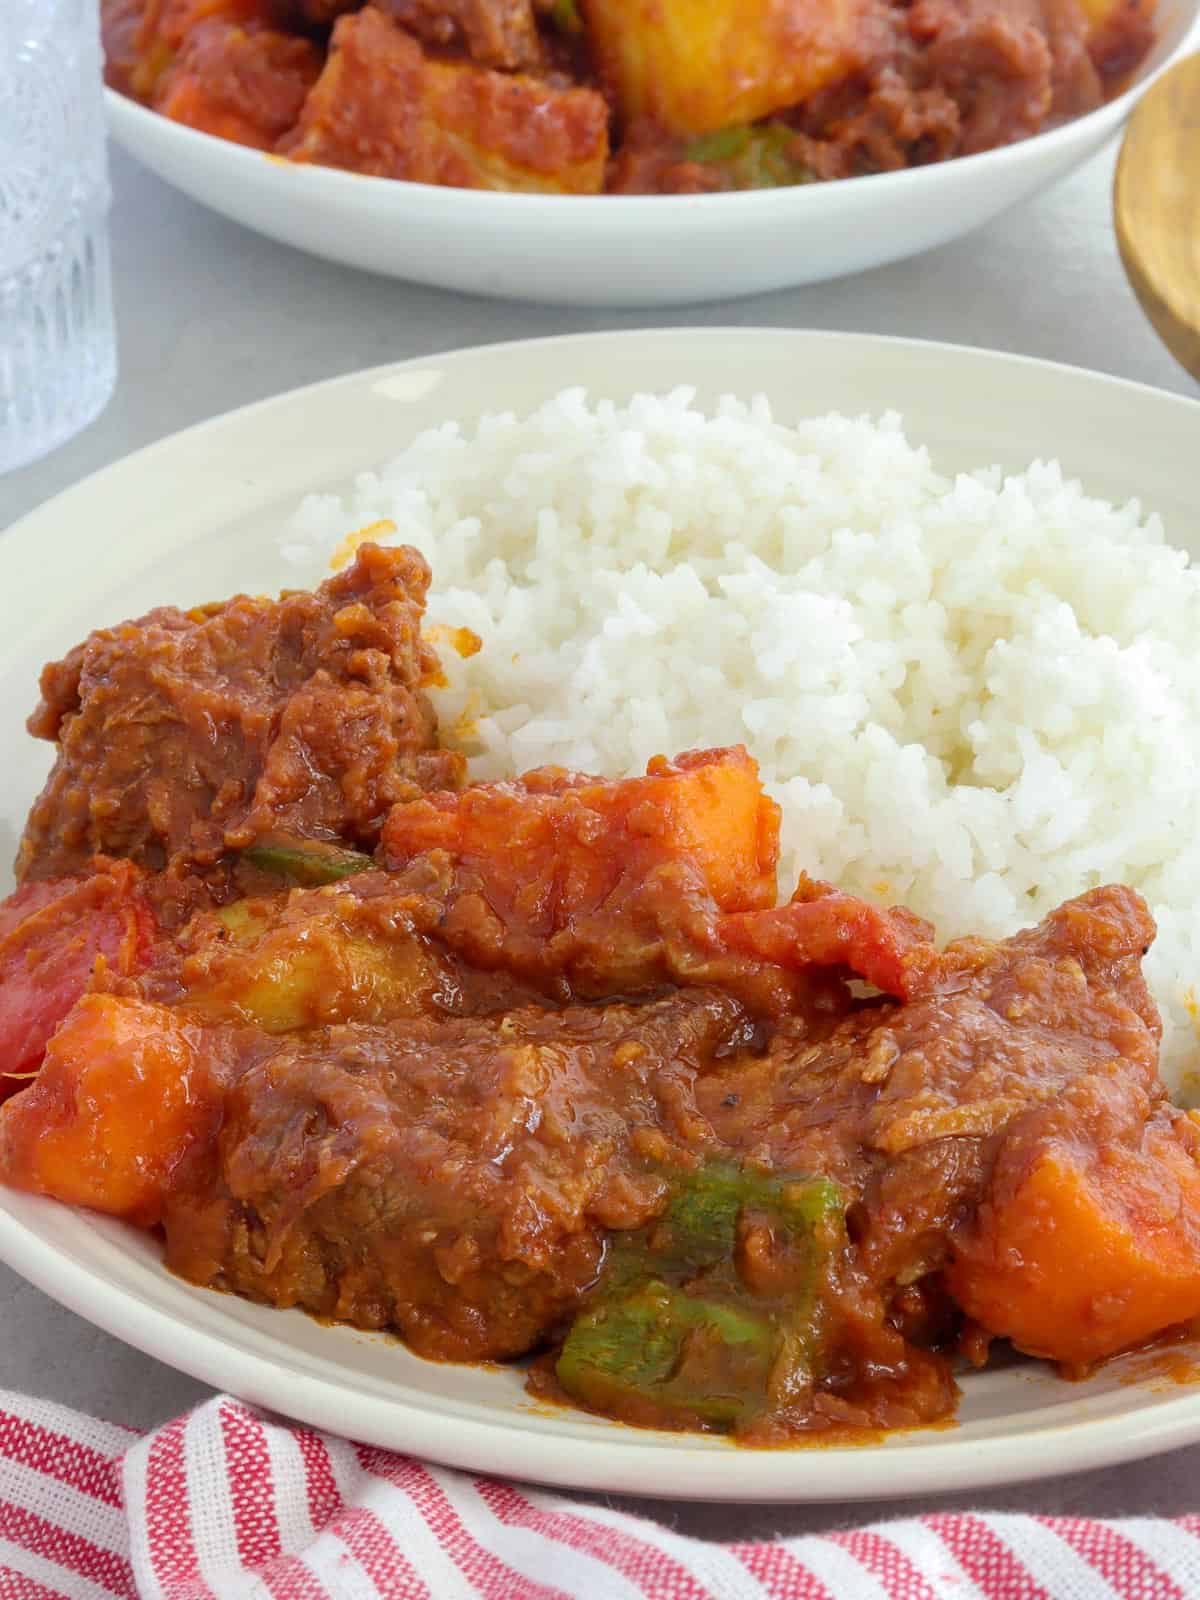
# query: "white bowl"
x,y
618,250
196,516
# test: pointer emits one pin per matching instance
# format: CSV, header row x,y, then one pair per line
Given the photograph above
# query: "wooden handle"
x,y
1156,205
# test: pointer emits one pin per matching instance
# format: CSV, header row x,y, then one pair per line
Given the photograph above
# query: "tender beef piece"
x,y
452,1180
385,108
495,33
244,84
322,13
993,58
953,77
1010,66
884,123
187,734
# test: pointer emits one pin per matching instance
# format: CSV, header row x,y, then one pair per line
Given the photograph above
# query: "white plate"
x,y
194,518
613,250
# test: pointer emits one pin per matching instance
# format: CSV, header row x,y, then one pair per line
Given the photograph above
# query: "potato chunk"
x,y
313,958
1090,1240
124,1091
384,108
555,845
693,66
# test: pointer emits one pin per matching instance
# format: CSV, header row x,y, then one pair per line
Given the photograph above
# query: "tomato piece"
x,y
52,933
821,926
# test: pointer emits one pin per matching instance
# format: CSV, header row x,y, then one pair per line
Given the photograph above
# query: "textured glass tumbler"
x,y
58,359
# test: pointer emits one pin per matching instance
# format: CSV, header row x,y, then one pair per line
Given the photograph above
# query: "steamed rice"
x,y
979,696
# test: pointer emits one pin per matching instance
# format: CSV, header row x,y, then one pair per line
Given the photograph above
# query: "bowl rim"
x,y
1047,142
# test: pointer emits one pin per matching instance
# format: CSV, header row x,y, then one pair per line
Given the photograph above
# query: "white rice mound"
x,y
979,696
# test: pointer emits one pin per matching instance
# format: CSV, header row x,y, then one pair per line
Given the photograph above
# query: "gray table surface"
x,y
211,317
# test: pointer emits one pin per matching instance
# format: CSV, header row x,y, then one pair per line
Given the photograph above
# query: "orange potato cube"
x,y
554,845
1089,1245
693,66
122,1094
384,108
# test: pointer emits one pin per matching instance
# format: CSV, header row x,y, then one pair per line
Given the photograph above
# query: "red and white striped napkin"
x,y
228,1503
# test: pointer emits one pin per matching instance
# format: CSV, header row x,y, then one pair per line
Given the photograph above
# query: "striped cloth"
x,y
226,1503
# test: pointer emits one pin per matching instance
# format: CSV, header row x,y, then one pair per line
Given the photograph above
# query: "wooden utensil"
x,y
1156,203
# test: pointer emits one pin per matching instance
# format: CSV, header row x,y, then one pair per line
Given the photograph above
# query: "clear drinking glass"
x,y
58,359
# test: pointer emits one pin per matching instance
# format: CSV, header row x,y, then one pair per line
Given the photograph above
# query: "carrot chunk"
x,y
122,1094
1090,1243
553,845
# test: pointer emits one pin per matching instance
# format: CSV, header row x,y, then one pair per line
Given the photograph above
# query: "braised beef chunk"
x,y
187,734
495,33
452,1180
